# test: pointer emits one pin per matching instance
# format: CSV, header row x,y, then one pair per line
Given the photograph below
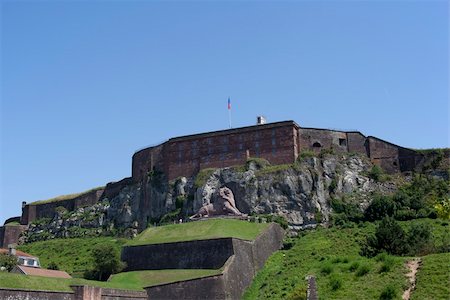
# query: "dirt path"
x,y
413,265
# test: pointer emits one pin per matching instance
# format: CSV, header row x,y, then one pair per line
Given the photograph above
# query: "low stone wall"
x,y
19,294
211,287
202,254
239,270
80,292
114,294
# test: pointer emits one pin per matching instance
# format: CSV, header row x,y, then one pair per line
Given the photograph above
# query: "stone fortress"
x,y
278,143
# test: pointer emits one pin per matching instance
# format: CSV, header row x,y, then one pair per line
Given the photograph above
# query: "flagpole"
x,y
229,117
229,112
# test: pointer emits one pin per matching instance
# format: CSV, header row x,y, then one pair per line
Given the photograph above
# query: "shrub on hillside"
x,y
389,236
362,270
419,239
170,217
380,207
388,293
7,261
326,269
345,211
53,266
335,282
106,262
377,174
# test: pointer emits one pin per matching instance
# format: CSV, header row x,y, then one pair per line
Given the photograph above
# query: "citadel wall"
x,y
279,143
31,212
185,156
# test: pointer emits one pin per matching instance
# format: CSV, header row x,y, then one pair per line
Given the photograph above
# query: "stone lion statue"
x,y
224,205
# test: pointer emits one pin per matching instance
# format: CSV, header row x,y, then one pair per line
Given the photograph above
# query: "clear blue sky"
x,y
84,84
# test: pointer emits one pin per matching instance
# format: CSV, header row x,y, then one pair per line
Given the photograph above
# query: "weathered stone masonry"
x,y
279,143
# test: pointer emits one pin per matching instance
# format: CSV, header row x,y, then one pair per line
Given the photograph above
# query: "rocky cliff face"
x,y
300,192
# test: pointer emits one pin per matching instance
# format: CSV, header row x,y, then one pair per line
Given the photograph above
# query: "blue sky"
x,y
84,84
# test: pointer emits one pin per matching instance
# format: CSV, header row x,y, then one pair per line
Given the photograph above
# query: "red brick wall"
x,y
186,156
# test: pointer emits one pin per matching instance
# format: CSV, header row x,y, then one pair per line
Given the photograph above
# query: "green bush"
x,y
388,293
259,163
333,185
305,154
362,270
419,239
345,211
380,207
335,282
389,236
326,151
179,201
8,261
354,266
377,174
106,262
405,214
170,217
326,269
281,221
53,266
299,293
202,176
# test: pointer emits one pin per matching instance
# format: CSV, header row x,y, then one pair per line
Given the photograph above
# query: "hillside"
x,y
71,255
332,255
200,230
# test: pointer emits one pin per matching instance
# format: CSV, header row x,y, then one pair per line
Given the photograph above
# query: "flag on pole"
x,y
229,103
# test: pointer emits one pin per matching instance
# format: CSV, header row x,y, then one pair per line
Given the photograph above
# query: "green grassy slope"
x,y
71,255
200,230
332,256
135,280
433,278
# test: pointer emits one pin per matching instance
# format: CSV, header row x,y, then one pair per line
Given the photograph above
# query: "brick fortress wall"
x,y
279,143
185,156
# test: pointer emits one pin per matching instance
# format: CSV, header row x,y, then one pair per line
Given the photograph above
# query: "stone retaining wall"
x,y
201,254
80,292
239,270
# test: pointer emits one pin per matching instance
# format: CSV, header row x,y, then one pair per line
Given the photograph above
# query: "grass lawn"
x,y
199,230
433,278
135,280
71,255
341,273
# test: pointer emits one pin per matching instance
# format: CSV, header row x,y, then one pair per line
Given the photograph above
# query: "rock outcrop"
x,y
300,192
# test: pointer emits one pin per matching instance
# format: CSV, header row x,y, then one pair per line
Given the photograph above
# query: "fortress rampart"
x,y
279,143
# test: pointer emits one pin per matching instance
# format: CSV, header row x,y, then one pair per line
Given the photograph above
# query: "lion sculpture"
x,y
224,205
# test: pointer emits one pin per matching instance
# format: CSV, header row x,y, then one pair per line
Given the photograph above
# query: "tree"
x,y
389,236
8,261
381,206
106,262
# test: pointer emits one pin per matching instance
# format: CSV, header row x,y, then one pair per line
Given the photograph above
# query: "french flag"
x,y
229,103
